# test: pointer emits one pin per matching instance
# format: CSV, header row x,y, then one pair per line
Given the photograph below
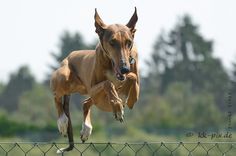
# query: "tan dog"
x,y
108,75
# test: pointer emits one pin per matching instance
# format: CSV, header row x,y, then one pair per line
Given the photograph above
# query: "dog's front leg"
x,y
111,97
86,126
129,92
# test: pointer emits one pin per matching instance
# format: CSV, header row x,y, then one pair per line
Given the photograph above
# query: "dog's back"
x,y
70,76
82,64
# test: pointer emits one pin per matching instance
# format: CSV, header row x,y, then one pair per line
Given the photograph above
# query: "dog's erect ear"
x,y
132,22
99,24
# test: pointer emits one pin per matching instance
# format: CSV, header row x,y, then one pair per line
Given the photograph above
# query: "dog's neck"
x,y
102,59
102,65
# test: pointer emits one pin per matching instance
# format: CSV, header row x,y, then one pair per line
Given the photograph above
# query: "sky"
x,y
30,29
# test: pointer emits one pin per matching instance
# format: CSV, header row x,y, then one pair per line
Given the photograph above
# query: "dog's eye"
x,y
112,42
128,43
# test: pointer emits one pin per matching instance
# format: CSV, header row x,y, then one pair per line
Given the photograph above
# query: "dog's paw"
x,y
62,150
119,116
85,132
62,124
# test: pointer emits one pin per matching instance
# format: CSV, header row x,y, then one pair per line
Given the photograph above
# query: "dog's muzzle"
x,y
123,67
119,75
124,70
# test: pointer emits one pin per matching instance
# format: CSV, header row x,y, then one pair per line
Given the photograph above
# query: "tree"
x,y
1,88
232,92
19,82
68,43
234,72
184,55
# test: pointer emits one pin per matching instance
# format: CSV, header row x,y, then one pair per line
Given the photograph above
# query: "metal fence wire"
x,y
121,149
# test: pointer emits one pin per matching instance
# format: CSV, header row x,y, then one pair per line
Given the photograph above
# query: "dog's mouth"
x,y
118,74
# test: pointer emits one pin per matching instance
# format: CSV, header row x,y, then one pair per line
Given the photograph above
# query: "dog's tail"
x,y
65,103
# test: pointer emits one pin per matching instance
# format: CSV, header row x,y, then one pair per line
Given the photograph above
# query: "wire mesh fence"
x,y
121,149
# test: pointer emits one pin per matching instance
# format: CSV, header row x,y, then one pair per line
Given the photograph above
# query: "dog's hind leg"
x,y
86,126
66,100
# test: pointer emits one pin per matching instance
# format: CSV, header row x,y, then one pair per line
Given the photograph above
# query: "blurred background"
x,y
187,55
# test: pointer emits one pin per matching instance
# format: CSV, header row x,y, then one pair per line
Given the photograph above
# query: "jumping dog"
x,y
108,75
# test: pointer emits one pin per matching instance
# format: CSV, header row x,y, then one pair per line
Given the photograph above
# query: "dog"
x,y
108,75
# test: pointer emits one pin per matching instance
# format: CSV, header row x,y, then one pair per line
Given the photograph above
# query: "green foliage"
x,y
1,88
232,86
234,71
183,90
69,42
185,56
179,109
195,110
19,82
38,105
11,127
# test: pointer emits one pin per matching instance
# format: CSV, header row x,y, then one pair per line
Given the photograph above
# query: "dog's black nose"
x,y
124,70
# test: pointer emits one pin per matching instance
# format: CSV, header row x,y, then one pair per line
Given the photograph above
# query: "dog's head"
x,y
117,41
